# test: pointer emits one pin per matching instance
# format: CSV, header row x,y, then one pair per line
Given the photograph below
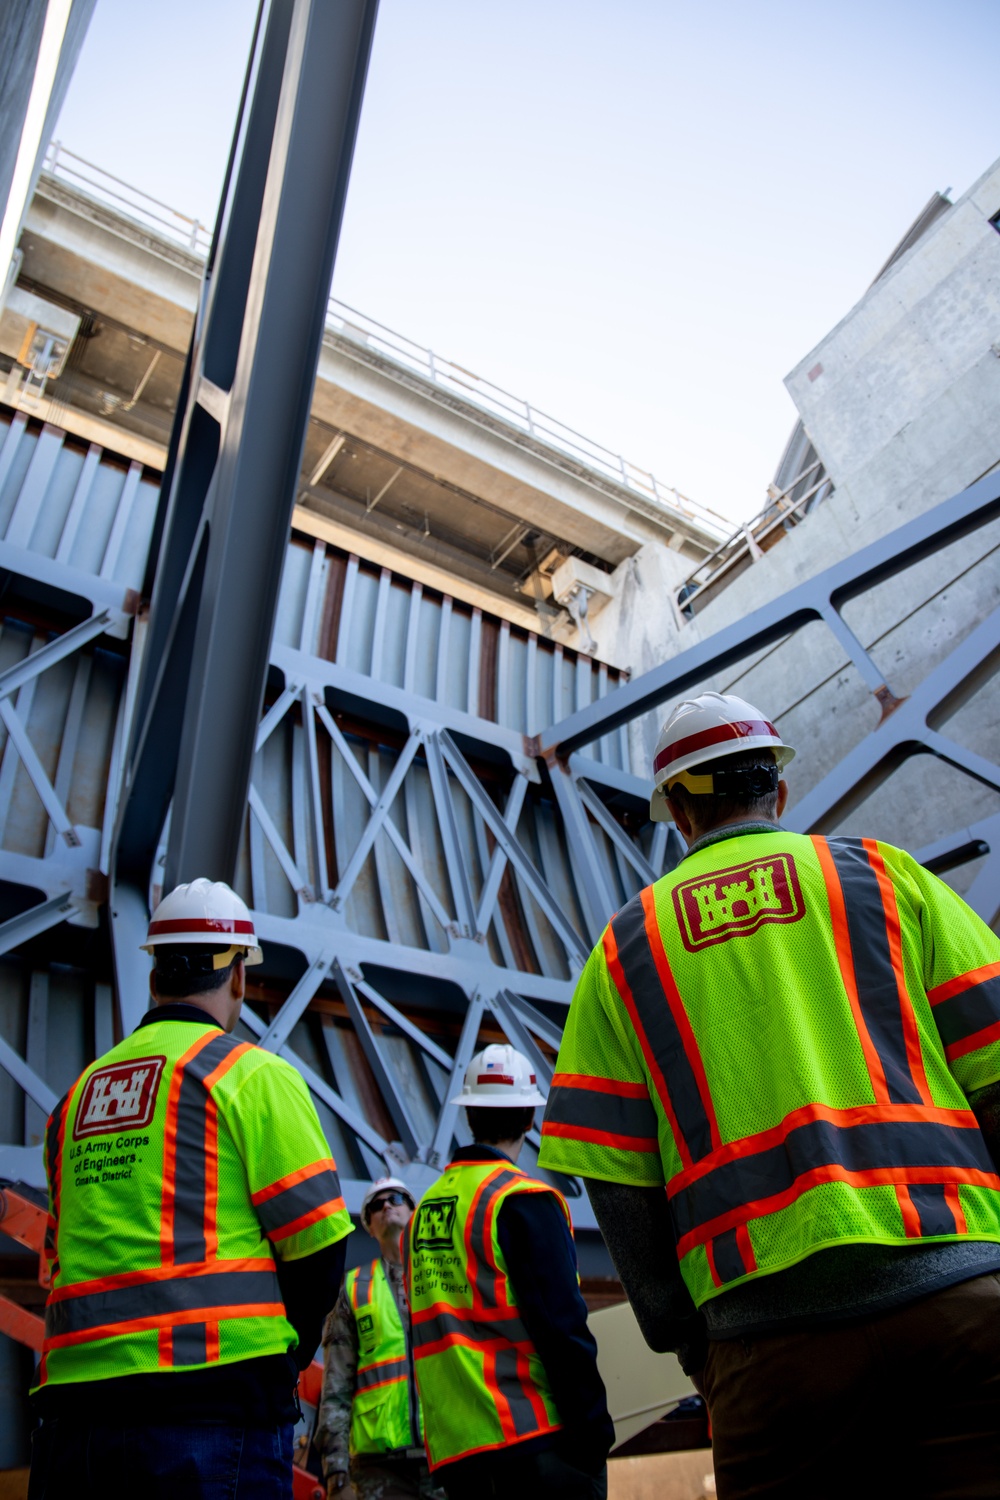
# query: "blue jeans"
x,y
189,1461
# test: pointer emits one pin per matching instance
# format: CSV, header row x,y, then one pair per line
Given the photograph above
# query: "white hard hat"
x,y
703,729
203,912
384,1185
499,1077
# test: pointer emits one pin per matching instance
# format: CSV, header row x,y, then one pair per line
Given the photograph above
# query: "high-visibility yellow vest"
x,y
179,1164
482,1385
383,1418
782,1031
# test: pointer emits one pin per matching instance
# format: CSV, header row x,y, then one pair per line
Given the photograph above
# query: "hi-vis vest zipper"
x,y
766,1031
160,1258
482,1385
381,1412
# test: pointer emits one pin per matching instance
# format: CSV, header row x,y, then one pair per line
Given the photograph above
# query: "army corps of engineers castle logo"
x,y
117,1097
736,902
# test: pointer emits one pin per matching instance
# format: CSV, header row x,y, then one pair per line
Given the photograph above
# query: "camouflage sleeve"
x,y
340,1365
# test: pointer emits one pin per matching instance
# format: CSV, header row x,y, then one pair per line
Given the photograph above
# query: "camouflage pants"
x,y
401,1480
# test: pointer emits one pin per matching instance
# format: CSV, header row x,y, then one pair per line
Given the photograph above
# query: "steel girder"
x,y
235,462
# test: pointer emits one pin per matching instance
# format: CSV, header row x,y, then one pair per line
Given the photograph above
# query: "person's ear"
x,y
238,980
684,824
152,984
782,796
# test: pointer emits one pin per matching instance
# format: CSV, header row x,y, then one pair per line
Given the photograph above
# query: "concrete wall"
x,y
902,408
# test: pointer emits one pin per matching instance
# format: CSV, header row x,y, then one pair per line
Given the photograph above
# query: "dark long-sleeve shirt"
x,y
541,1262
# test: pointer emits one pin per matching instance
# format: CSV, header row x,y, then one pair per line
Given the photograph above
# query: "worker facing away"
x,y
368,1427
196,1239
799,1038
512,1401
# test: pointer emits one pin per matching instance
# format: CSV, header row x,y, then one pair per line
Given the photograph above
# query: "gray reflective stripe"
x,y
485,1274
510,1388
363,1289
152,1299
431,1330
612,1114
292,1202
189,1178
877,983
381,1374
190,1344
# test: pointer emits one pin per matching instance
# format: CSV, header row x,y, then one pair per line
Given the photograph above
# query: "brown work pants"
x,y
907,1404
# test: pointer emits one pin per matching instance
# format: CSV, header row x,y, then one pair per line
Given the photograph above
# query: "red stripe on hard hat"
x,y
201,924
739,729
495,1078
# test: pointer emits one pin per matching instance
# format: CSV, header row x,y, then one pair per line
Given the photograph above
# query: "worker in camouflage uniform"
x,y
369,1428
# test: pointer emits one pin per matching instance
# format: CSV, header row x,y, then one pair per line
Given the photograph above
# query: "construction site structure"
x,y
482,617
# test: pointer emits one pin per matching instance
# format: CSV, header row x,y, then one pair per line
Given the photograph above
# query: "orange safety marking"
x,y
966,981
681,1018
911,1034
953,1199
832,1172
167,1320
845,958
973,1043
858,1114
592,1084
301,1174
746,1248
616,971
170,1147
907,1207
159,1273
638,1143
211,1226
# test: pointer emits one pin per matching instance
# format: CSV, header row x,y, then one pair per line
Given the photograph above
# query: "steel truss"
x,y
432,814
423,874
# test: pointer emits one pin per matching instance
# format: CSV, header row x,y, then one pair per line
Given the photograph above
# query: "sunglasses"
x,y
389,1200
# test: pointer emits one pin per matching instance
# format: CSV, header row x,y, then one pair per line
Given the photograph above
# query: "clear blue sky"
x,y
640,214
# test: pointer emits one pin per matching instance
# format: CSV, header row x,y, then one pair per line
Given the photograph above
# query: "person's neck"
x,y
390,1249
732,826
509,1148
217,1005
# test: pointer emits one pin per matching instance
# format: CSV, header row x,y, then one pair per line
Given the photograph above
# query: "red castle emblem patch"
x,y
738,901
119,1097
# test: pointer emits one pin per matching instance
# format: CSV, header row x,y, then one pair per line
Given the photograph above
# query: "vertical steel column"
x,y
240,440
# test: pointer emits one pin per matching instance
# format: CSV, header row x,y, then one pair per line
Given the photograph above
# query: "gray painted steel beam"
x,y
241,437
882,559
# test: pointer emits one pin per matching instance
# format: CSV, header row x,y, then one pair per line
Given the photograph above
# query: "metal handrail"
x,y
60,162
191,232
778,511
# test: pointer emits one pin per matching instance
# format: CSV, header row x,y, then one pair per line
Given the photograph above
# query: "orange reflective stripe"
x,y
966,981
842,942
859,1114
212,1342
968,1044
170,1147
953,1199
911,1218
211,1180
914,1055
165,1320
681,1019
834,1172
165,1348
471,1261
621,984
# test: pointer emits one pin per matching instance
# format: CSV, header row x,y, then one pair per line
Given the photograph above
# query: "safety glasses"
x,y
387,1200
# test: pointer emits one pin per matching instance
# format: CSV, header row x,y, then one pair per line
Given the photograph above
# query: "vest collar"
x,y
178,1012
466,1155
733,831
